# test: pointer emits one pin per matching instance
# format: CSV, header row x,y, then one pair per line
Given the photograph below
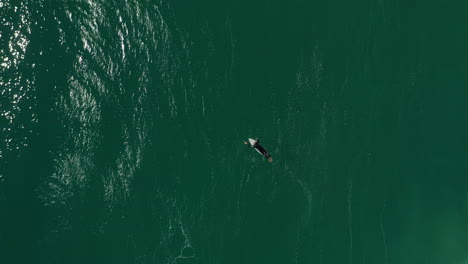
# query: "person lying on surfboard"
x,y
255,143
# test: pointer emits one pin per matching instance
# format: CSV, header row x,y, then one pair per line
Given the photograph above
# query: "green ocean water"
x,y
123,125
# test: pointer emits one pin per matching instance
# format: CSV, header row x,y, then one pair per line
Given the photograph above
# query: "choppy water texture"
x,y
122,127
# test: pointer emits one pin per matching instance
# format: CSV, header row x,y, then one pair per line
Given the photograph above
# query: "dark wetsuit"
x,y
261,149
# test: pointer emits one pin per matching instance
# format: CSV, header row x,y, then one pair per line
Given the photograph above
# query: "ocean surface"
x,y
122,127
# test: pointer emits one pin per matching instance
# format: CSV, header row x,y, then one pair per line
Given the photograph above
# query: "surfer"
x,y
255,143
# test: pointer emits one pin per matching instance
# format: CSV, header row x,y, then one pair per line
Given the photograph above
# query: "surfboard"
x,y
253,142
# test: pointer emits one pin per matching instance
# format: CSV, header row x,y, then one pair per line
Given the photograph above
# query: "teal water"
x,y
122,128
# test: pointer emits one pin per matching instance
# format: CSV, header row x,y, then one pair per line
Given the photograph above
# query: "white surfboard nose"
x,y
252,141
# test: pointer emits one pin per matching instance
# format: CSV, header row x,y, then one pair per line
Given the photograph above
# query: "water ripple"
x,y
17,79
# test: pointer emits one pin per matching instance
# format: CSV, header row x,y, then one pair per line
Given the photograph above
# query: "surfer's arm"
x,y
248,145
